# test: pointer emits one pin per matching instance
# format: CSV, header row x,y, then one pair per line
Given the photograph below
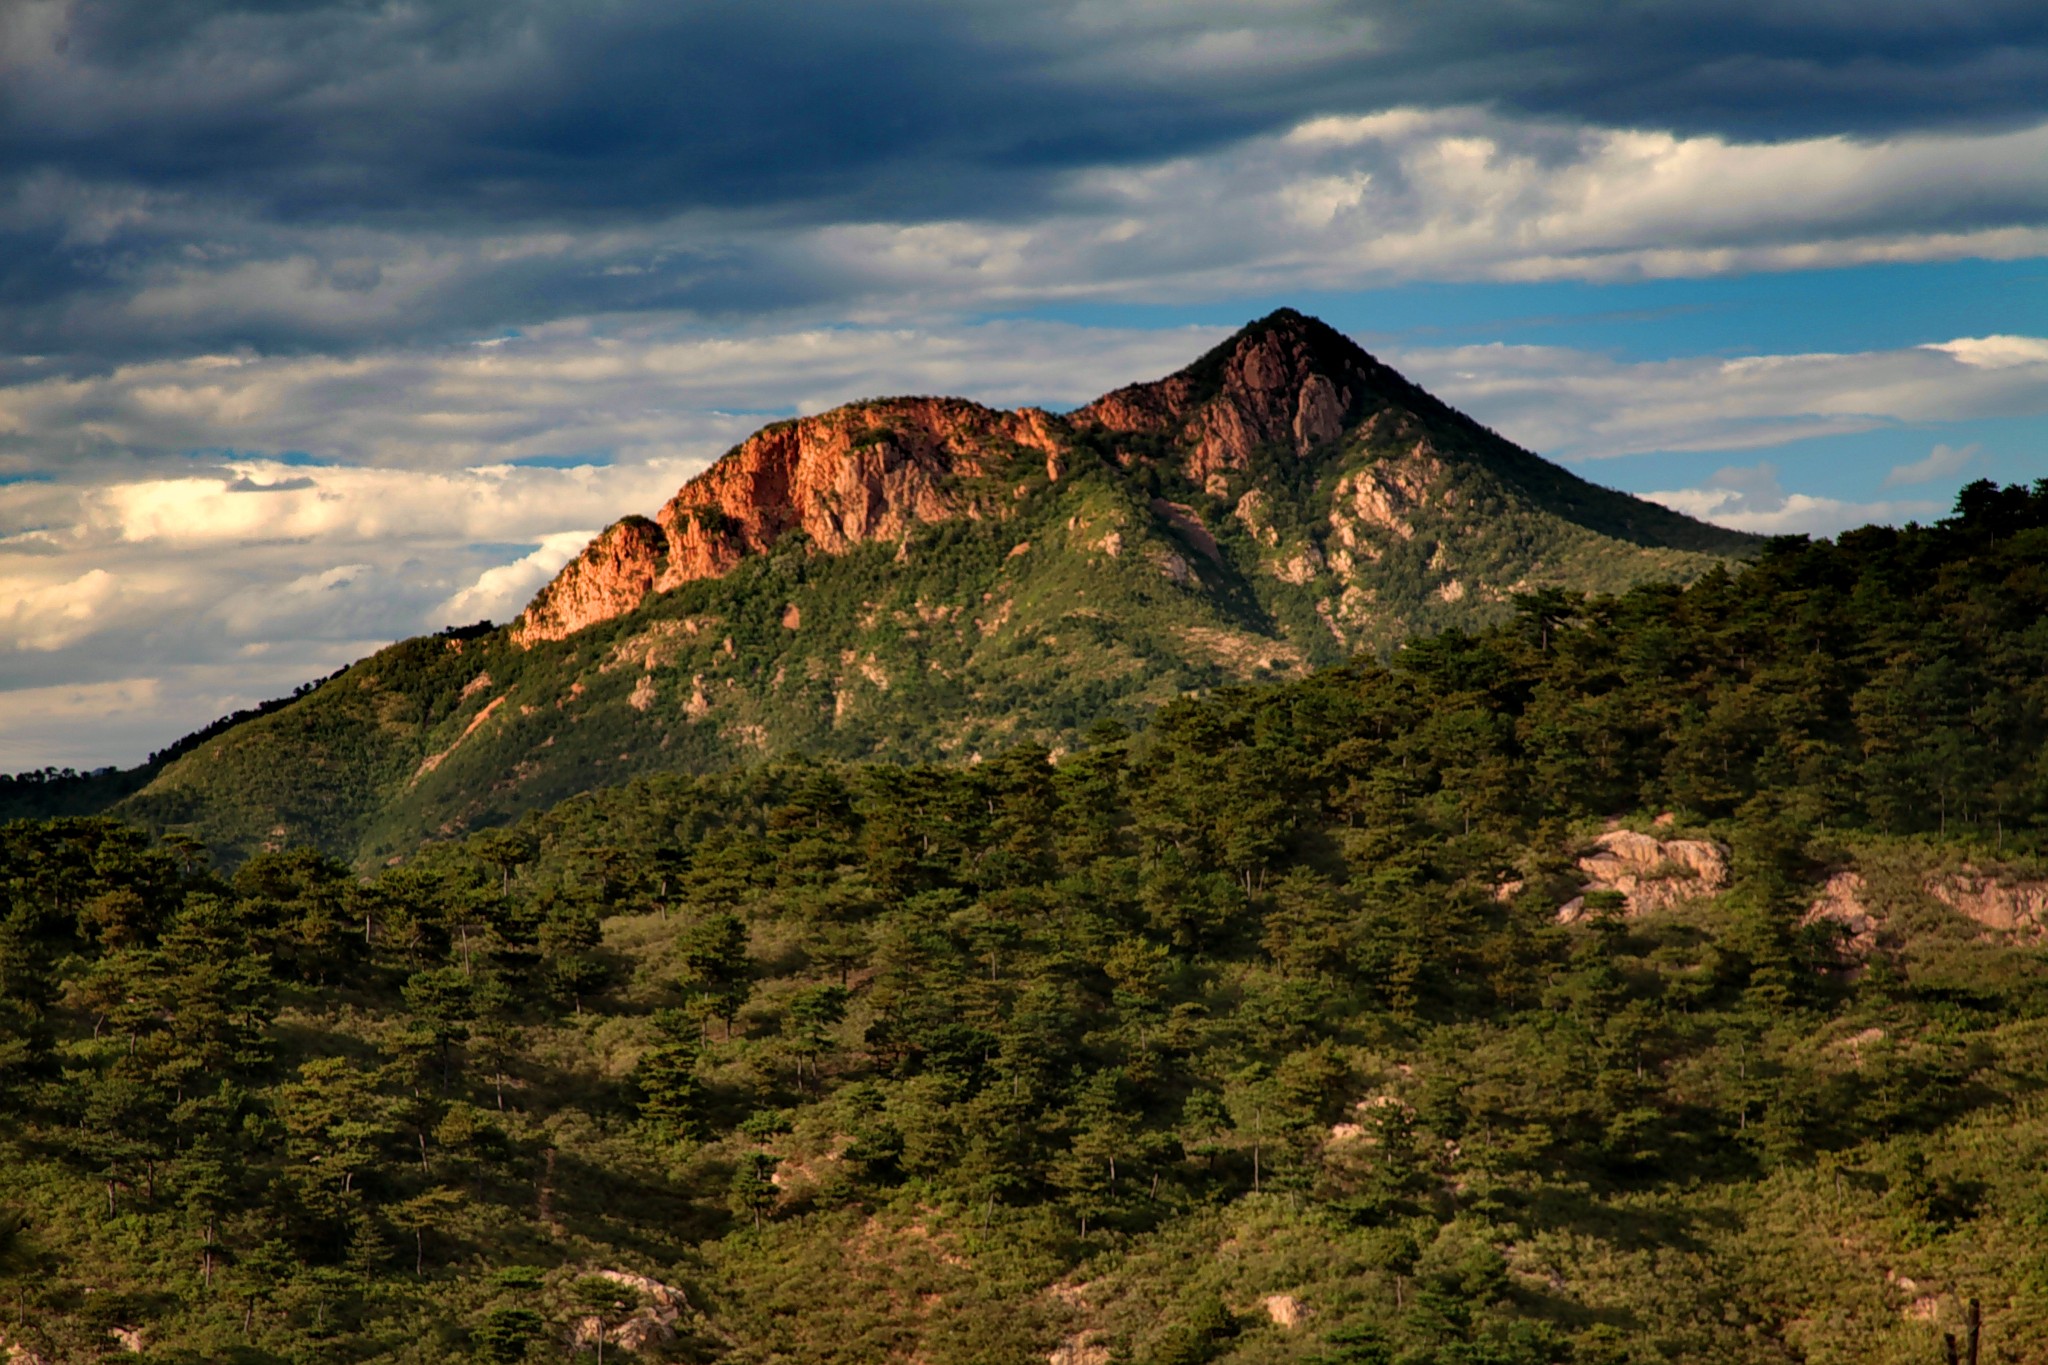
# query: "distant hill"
x,y
924,578
48,793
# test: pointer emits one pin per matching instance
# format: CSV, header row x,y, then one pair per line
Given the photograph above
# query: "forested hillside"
x,y
1649,977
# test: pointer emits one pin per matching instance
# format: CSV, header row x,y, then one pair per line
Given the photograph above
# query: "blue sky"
x,y
324,322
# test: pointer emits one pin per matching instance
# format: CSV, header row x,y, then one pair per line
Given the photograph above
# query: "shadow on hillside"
x,y
1625,1228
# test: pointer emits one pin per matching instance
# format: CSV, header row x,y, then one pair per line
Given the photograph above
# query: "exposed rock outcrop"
x,y
1288,382
652,1322
2011,907
1379,496
2007,906
1652,873
610,578
1841,902
865,472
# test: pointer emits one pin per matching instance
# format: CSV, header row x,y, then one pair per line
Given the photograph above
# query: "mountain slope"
x,y
924,578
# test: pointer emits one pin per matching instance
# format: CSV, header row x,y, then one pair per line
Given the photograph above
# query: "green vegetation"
x,y
40,793
1255,1037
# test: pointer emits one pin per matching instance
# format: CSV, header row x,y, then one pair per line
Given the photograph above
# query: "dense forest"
x,y
1303,1026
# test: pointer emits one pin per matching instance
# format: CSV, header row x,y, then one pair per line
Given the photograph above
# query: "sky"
x,y
328,322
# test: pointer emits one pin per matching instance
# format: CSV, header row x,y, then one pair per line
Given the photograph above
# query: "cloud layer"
x,y
1751,498
180,174
1330,202
1585,407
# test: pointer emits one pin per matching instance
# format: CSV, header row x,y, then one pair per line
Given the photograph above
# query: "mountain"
x,y
927,578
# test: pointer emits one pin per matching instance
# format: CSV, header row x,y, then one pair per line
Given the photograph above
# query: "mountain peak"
x,y
1285,379
1291,331
1286,500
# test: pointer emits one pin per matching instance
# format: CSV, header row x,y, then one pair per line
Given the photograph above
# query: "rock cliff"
x,y
608,579
867,471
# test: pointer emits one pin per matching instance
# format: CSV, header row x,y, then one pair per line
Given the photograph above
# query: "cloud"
x,y
1578,405
1344,201
1752,499
50,615
502,591
31,717
330,175
1996,352
349,505
519,110
620,393
1943,462
23,706
1333,201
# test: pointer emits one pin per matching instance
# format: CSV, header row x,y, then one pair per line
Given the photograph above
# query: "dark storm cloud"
x,y
1749,68
344,172
547,109
554,111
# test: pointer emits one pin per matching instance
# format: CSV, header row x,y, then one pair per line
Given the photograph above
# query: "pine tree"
x,y
754,1191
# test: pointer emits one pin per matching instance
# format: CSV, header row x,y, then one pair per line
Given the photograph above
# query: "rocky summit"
x,y
916,579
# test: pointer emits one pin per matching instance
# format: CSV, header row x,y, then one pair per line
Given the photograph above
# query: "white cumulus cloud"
x,y
50,615
501,591
1752,499
1942,462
